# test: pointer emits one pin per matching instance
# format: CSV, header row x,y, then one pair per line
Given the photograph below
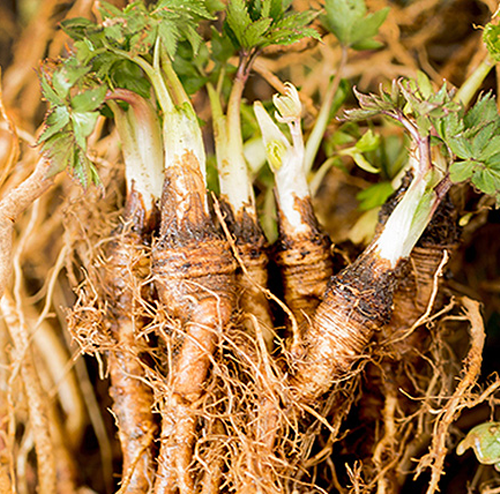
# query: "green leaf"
x,y
341,16
238,19
348,21
424,85
89,100
48,92
368,142
484,439
374,196
460,147
83,125
257,24
221,47
65,77
254,35
367,44
491,38
487,180
461,170
56,120
77,28
484,111
128,75
367,28
59,151
364,164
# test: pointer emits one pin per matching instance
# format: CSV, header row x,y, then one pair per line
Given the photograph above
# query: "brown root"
x,y
194,274
125,270
357,303
305,263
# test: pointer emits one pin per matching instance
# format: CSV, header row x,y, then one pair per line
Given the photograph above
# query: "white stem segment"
x,y
287,163
234,179
142,147
181,130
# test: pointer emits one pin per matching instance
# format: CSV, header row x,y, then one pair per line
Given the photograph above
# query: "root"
x,y
460,398
11,206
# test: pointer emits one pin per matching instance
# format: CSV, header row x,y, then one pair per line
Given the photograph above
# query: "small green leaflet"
x,y
484,439
74,97
374,196
255,24
475,140
348,21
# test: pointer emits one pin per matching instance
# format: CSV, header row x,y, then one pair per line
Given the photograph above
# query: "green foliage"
x,y
104,58
74,97
368,142
374,196
255,24
349,22
474,140
470,140
491,38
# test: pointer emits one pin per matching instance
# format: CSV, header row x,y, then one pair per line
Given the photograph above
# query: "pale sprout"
x,y
275,142
288,105
275,152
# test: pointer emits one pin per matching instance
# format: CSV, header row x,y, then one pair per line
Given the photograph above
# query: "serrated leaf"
x,y
58,151
80,168
48,92
238,19
254,35
460,147
484,111
56,120
364,29
487,180
169,36
89,100
77,27
65,77
461,171
484,144
83,125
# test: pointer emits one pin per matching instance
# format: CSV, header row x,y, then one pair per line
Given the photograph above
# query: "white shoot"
x,y
286,159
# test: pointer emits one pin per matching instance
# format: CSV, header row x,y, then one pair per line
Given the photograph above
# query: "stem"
x,y
471,85
177,91
235,183
319,128
140,134
408,221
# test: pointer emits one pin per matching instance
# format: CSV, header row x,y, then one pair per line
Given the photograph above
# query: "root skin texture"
x,y
305,262
126,269
193,271
252,249
357,303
